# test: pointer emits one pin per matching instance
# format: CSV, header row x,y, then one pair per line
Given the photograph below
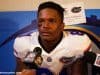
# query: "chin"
x,y
47,38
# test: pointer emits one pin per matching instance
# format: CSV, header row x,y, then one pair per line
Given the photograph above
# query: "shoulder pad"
x,y
74,32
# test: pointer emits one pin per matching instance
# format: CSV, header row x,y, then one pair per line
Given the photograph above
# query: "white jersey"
x,y
70,46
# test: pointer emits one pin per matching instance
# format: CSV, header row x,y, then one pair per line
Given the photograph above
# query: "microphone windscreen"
x,y
37,50
90,57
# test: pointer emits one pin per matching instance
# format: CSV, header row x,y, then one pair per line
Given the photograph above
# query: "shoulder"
x,y
24,42
80,36
21,42
76,35
78,40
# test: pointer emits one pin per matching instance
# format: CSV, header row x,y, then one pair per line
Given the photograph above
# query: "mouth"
x,y
45,33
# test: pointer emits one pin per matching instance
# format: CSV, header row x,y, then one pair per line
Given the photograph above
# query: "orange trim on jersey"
x,y
88,48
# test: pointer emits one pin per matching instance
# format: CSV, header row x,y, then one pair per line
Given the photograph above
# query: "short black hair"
x,y
52,5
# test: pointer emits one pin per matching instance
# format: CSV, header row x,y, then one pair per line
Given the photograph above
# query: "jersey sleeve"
x,y
78,43
21,46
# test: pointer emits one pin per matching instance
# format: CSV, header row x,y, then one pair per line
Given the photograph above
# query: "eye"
x,y
52,21
40,20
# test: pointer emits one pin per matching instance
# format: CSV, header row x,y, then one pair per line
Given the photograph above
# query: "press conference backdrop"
x,y
12,22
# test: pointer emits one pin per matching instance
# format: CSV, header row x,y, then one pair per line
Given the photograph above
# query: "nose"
x,y
46,24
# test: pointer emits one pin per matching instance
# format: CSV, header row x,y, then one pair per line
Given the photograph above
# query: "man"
x,y
61,51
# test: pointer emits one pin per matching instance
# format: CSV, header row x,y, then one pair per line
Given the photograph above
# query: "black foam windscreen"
x,y
90,57
37,50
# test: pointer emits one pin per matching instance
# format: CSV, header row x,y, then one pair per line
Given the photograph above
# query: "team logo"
x,y
49,59
76,9
67,60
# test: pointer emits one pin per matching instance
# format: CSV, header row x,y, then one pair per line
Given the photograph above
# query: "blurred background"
x,y
18,17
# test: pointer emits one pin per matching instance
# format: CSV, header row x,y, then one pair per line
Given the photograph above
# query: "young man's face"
x,y
49,24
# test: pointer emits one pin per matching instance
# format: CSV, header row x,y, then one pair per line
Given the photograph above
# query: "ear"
x,y
62,26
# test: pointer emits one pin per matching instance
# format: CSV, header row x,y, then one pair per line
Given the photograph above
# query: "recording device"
x,y
92,58
30,58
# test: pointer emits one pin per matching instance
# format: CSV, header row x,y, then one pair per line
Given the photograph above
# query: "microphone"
x,y
37,50
33,59
92,58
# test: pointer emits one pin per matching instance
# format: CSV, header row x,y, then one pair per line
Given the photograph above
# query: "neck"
x,y
50,45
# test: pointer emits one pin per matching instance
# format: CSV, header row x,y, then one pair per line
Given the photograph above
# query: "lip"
x,y
45,33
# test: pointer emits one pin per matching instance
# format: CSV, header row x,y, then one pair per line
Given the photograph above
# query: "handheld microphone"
x,y
31,62
92,58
